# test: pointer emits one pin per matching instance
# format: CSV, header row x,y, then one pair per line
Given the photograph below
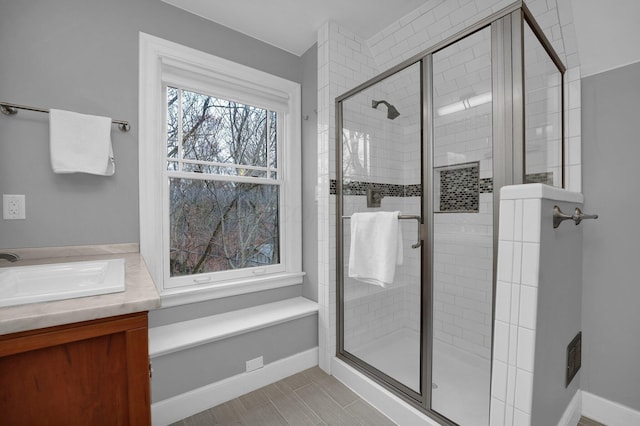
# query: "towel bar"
x,y
11,109
408,216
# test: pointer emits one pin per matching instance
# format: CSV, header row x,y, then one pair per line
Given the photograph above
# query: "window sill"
x,y
184,295
175,337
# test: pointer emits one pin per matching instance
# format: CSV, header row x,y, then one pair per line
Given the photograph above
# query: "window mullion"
x,y
180,151
224,178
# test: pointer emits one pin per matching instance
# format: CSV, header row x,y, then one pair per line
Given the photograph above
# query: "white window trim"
x,y
156,57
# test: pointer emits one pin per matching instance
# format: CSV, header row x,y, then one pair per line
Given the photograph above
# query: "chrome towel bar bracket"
x,y
577,216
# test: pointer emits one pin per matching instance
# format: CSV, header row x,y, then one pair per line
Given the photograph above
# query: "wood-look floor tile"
x,y
308,398
263,415
367,414
205,418
291,407
585,421
229,413
257,398
316,374
325,407
336,390
339,392
297,380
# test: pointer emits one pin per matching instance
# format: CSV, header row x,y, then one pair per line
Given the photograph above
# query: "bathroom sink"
x,y
57,281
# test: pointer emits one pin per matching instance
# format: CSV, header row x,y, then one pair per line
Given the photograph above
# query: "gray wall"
x,y
611,287
190,369
83,56
207,308
558,317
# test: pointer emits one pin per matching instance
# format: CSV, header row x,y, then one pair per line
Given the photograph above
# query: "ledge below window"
x,y
179,336
200,293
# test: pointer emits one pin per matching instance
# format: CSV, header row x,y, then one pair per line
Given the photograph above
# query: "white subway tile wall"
x,y
463,242
515,317
378,150
543,117
372,312
345,60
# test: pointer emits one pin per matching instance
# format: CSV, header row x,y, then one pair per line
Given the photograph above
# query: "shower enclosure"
x,y
435,139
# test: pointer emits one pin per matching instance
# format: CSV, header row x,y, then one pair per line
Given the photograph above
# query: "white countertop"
x,y
140,293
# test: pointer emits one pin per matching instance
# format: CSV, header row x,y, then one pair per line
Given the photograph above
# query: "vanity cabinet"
x,y
90,373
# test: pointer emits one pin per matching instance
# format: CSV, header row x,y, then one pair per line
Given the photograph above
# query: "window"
x,y
220,196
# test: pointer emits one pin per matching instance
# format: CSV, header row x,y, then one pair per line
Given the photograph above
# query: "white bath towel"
x,y
80,143
376,247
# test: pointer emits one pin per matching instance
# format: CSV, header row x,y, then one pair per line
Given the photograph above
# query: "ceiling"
x,y
607,34
292,25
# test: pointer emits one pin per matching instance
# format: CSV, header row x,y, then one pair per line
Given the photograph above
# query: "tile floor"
x,y
310,397
584,421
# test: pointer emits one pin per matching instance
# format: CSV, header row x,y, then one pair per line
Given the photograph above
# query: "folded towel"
x,y
376,247
80,143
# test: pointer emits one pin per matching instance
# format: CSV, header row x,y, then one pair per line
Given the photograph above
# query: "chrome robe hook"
x,y
577,216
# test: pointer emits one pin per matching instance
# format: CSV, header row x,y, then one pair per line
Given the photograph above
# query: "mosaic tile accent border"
x,y
545,177
385,189
485,186
393,190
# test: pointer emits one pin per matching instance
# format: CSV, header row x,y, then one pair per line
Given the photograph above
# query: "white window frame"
x,y
165,63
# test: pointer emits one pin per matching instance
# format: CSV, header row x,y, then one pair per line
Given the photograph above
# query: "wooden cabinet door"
x,y
93,373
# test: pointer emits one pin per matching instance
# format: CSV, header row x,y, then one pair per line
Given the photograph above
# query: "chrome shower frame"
x,y
507,44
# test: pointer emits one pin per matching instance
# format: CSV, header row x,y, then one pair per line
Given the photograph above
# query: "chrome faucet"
x,y
11,257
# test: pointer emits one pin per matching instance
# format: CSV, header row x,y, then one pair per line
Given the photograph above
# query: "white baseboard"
x,y
571,415
608,412
189,403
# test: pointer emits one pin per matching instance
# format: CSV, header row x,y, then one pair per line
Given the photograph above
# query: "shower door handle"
x,y
419,220
419,238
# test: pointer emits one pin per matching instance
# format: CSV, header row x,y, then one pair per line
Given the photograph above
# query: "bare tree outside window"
x,y
223,184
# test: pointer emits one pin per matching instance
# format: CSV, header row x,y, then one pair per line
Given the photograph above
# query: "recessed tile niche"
x,y
457,188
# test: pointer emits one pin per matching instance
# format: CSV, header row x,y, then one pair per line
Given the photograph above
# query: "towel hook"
x,y
577,216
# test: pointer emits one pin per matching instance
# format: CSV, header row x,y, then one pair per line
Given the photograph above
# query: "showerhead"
x,y
392,112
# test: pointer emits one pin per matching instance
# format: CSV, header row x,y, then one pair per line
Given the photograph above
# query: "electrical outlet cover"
x,y
254,364
13,206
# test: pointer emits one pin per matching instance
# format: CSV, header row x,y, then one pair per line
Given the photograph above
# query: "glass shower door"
x,y
381,172
462,231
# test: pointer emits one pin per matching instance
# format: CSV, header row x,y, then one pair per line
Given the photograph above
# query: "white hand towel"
x,y
376,247
80,143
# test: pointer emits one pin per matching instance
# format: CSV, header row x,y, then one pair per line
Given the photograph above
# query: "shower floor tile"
x,y
397,355
461,391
